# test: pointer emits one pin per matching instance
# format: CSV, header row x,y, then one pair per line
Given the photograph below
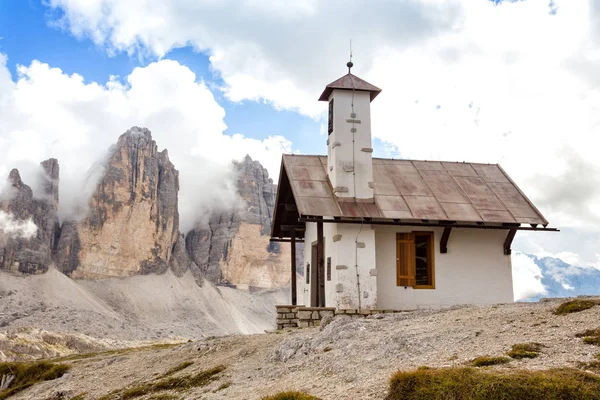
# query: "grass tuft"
x,y
474,384
223,386
572,306
28,374
591,336
179,383
487,361
291,396
525,350
178,368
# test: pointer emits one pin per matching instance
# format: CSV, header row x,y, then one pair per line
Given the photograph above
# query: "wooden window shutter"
x,y
405,259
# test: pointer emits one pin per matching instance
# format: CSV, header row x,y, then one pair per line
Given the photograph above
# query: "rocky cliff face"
x,y
31,254
133,222
132,226
234,247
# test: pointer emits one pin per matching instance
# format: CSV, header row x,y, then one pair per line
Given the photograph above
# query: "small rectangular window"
x,y
414,260
328,268
307,272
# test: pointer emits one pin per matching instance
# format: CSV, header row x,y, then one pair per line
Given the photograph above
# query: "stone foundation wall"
x,y
305,317
287,317
312,316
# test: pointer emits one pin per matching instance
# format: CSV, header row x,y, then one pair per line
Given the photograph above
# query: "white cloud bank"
x,y
15,228
47,113
527,277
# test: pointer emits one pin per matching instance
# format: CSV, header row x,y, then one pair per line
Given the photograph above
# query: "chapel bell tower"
x,y
349,147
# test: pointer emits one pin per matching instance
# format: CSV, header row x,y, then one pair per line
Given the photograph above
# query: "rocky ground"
x,y
347,359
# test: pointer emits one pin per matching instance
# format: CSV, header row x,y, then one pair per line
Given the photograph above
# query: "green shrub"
x,y
474,384
574,306
487,361
28,374
291,396
525,350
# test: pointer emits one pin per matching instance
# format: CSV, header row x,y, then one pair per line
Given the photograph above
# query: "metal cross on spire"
x,y
350,64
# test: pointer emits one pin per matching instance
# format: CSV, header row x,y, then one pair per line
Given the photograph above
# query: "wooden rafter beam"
x,y
508,241
444,240
285,240
293,228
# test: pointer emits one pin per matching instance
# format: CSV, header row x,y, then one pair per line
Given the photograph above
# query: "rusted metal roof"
x,y
415,191
350,82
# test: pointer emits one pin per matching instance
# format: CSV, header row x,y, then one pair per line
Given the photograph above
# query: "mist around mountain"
x,y
556,278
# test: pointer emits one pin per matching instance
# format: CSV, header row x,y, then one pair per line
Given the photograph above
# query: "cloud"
x,y
267,50
527,277
47,113
13,228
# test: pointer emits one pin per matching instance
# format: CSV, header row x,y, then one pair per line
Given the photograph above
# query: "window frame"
x,y
430,257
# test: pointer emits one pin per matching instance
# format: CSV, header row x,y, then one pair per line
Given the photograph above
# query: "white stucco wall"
x,y
474,271
343,155
349,261
343,266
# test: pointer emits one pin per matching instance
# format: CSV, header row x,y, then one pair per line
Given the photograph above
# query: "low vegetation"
x,y
291,396
474,384
177,383
177,368
223,386
24,375
591,336
525,350
572,306
487,361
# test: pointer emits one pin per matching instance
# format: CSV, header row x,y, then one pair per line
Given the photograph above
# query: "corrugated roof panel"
x,y
496,216
307,173
459,169
407,179
301,160
318,206
313,188
425,207
391,203
397,214
353,209
461,212
384,185
490,172
512,199
444,188
479,194
428,165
